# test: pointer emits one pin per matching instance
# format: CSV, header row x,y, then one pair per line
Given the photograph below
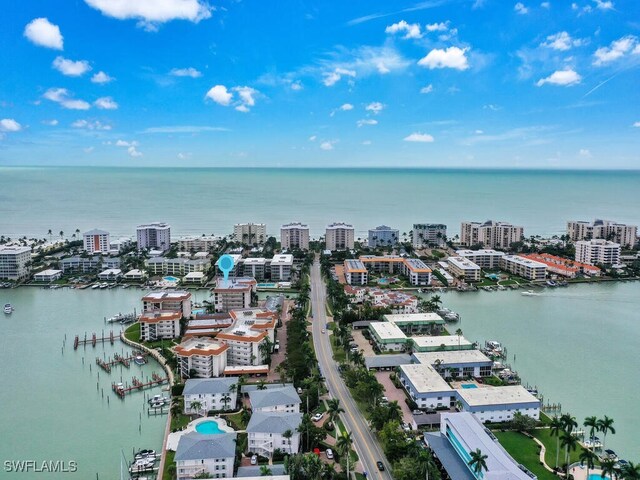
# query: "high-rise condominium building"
x,y
490,234
96,241
625,235
250,233
294,235
425,234
154,236
339,236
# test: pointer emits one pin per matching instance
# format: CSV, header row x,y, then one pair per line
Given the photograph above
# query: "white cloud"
x,y
62,97
313,138
296,86
604,5
437,27
71,68
9,125
133,152
184,155
636,124
101,77
584,153
346,107
479,132
491,106
366,121
366,142
564,78
247,98
546,5
44,33
106,103
185,72
88,149
130,146
51,123
411,30
520,8
561,41
331,78
427,89
96,125
374,107
152,13
616,50
452,57
328,145
220,95
419,137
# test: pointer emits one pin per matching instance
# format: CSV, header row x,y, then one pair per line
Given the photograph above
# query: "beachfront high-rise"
x,y
294,235
96,241
250,233
625,235
490,234
597,252
339,236
154,236
425,234
15,262
383,236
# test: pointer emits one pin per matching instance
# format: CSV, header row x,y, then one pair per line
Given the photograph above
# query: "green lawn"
x,y
168,461
133,332
339,355
525,451
179,421
236,421
544,435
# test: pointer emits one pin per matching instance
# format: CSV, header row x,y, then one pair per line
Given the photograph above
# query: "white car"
x,y
329,453
324,331
254,459
317,417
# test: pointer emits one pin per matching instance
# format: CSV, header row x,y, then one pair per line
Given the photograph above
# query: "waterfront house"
x,y
210,393
563,266
199,454
267,430
282,400
463,269
135,275
48,276
194,278
110,274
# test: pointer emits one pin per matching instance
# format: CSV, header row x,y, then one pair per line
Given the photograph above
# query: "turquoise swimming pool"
x,y
210,427
468,385
171,279
267,285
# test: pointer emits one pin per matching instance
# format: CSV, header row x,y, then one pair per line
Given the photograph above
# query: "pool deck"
x,y
174,437
580,472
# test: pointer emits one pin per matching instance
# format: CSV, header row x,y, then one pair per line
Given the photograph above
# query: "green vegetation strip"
x,y
525,451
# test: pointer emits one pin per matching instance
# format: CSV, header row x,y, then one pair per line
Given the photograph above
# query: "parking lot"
x,y
363,343
397,394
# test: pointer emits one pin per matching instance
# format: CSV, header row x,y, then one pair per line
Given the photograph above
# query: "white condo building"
x,y
598,251
154,236
197,244
424,234
294,236
205,456
463,269
250,328
162,312
250,233
625,235
233,294
211,393
485,258
523,267
96,241
15,262
383,236
339,236
281,267
201,357
490,234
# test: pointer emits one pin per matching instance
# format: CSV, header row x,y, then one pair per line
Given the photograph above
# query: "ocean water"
x,y
194,201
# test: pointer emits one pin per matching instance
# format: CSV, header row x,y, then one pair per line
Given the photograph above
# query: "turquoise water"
x,y
541,201
171,279
468,385
210,427
266,285
597,476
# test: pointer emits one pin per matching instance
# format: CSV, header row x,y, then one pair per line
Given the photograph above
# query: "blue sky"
x,y
493,83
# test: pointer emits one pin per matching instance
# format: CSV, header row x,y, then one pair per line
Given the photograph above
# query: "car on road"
x,y
324,331
329,453
417,412
254,459
380,465
317,417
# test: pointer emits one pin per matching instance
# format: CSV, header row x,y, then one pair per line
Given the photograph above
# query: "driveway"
x,y
279,357
363,343
397,394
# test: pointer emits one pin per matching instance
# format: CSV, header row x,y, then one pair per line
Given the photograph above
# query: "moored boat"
x,y
8,308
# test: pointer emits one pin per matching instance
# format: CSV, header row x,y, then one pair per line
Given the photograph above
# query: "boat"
x,y
551,283
94,286
139,360
8,308
530,293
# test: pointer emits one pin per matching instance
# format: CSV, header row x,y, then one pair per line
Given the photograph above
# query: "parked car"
x,y
406,427
417,412
299,390
324,331
384,401
254,459
317,417
329,453
380,465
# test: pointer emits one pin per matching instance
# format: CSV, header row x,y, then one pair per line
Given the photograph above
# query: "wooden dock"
x,y
138,385
125,361
94,340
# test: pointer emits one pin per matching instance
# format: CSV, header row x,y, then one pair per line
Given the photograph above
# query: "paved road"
x,y
366,445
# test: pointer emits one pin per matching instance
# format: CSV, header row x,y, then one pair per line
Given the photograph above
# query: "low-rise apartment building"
x,y
198,244
49,275
355,272
281,266
463,269
488,259
414,269
457,363
563,266
199,455
270,431
210,393
251,328
177,266
159,325
524,267
275,400
426,387
498,404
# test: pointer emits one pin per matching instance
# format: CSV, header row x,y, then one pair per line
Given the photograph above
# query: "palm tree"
x,y
568,422
478,461
556,428
570,443
592,423
609,468
459,334
605,425
196,406
343,445
265,471
261,385
394,411
226,398
288,434
631,471
50,233
334,409
588,457
436,301
61,235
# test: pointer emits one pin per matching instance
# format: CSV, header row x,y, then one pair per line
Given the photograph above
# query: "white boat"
x,y
139,360
530,293
8,308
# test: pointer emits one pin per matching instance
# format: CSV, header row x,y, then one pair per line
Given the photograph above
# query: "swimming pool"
x,y
468,385
171,279
383,281
267,285
208,427
597,476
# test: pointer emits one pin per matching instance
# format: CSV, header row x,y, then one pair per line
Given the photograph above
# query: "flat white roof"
x,y
436,341
388,331
197,275
49,272
205,344
425,379
486,251
463,263
512,394
254,261
111,271
523,261
413,317
452,356
12,249
285,259
133,273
